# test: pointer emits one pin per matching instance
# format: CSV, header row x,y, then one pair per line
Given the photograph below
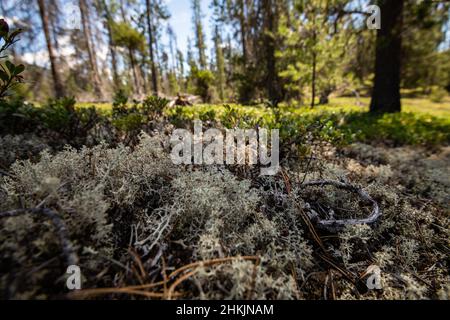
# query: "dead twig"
x,y
101,291
335,225
167,293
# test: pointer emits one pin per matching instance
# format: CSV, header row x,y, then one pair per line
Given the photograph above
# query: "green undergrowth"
x,y
340,122
338,125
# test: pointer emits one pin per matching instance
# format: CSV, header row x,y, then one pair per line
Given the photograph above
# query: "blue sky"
x,y
181,21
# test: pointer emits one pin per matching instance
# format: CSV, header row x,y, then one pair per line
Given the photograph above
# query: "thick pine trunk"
x,y
386,91
57,83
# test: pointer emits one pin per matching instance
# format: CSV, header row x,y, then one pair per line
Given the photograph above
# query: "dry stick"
x,y
334,225
333,291
135,289
202,264
138,261
303,215
178,281
325,257
207,263
99,291
325,285
58,223
254,274
163,261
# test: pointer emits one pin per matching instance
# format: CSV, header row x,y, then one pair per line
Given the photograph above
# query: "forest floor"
x,y
415,105
140,226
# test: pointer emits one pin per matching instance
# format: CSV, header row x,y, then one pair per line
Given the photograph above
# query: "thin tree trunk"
x,y
57,83
150,43
53,13
91,53
314,63
243,30
386,91
111,45
269,27
313,80
156,51
135,74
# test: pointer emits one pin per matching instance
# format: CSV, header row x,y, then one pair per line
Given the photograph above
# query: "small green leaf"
x,y
14,34
4,76
10,66
19,68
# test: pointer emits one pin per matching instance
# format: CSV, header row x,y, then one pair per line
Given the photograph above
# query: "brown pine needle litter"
x,y
167,293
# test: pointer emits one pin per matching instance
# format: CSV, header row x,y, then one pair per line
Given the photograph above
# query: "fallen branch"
x,y
335,225
58,223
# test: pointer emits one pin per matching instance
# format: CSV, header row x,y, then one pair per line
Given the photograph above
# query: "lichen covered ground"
x,y
142,227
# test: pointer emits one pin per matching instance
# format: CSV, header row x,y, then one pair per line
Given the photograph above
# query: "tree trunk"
x,y
313,80
135,73
314,62
150,43
243,30
386,91
199,33
273,88
111,45
91,53
57,83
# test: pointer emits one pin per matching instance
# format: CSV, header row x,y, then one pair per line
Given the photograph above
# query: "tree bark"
x,y
314,63
386,90
150,43
112,50
313,80
89,46
136,78
57,83
273,88
243,30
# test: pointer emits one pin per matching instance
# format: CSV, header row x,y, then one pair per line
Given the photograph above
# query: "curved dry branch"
x,y
58,223
335,225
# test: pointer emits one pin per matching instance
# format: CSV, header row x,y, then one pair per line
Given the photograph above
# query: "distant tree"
x,y
311,54
180,67
57,82
220,64
151,44
105,11
124,35
270,27
423,45
199,33
85,20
